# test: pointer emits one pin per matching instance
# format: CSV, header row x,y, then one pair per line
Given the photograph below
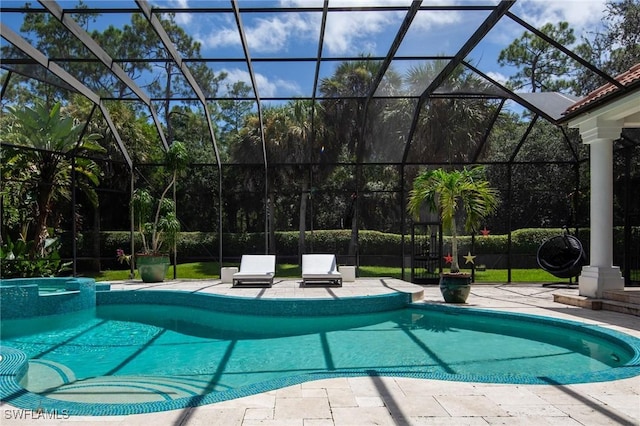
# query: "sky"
x,y
433,33
296,34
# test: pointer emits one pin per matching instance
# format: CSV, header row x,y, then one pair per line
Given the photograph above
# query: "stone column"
x,y
600,275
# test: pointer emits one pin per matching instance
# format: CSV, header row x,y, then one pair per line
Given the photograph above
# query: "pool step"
x,y
129,389
44,375
628,295
625,301
622,307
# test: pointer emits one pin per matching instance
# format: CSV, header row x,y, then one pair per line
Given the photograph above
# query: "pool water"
x,y
214,352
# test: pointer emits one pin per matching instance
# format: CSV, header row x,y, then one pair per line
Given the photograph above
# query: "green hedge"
x,y
205,245
523,241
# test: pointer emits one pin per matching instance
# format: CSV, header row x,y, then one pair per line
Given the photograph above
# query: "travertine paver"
x,y
369,401
625,403
399,400
435,387
595,415
281,422
415,406
209,416
302,408
470,405
362,416
258,414
335,383
374,386
526,410
512,395
452,421
535,420
339,397
318,422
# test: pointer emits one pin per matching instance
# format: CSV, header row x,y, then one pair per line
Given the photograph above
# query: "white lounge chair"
x,y
256,269
320,268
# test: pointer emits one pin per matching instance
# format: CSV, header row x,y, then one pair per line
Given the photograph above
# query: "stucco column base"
x,y
596,279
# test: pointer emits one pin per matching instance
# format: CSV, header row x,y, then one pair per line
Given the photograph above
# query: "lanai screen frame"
x,y
56,74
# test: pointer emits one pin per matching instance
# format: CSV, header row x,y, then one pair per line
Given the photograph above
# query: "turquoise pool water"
x,y
174,353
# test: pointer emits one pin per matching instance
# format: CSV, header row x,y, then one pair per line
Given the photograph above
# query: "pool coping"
x,y
14,363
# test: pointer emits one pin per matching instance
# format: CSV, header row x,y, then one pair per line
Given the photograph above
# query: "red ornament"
x,y
485,232
448,258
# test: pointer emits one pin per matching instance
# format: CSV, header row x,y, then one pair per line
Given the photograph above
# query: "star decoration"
x,y
468,258
448,258
485,232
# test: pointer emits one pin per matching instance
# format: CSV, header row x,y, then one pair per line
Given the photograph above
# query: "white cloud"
x,y
234,75
266,87
426,21
355,32
288,87
224,37
498,77
182,18
346,32
274,34
267,34
349,32
581,14
300,3
349,3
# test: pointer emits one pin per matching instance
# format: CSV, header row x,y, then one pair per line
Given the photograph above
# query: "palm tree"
x,y
448,129
344,109
353,123
445,191
301,127
51,140
288,137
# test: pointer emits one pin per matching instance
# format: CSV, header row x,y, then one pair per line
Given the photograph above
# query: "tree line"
x,y
339,162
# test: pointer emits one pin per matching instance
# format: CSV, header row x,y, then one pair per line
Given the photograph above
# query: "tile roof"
x,y
626,78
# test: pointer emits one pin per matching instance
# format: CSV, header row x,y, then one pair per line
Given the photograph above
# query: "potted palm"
x,y
445,192
156,221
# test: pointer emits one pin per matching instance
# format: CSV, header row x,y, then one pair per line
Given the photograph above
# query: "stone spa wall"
x,y
30,297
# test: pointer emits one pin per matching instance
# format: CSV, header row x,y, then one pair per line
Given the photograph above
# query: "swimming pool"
x,y
143,357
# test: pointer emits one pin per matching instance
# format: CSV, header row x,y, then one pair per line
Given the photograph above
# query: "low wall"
x,y
31,297
260,306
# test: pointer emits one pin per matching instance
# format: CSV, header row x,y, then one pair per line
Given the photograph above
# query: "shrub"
x,y
380,243
18,261
205,245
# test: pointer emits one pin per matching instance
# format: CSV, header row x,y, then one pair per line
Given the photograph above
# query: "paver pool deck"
x,y
402,401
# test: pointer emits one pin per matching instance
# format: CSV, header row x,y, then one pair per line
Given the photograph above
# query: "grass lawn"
x,y
211,270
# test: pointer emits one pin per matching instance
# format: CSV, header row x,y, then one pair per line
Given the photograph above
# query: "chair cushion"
x,y
257,264
320,265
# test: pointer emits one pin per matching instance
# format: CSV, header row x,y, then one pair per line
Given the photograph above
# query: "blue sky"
x,y
296,34
352,33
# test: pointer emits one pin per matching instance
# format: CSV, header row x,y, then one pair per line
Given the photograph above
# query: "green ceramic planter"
x,y
152,268
455,288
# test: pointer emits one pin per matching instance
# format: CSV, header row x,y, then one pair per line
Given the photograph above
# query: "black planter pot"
x,y
455,288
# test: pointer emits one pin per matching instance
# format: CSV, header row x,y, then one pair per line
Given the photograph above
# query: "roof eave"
x,y
597,103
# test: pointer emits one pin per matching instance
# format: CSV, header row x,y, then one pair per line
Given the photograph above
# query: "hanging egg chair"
x,y
562,256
